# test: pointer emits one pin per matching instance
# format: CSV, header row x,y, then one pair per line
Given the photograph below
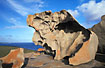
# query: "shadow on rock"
x,y
100,57
25,62
5,65
99,67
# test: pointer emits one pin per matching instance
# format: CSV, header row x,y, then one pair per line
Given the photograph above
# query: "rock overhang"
x,y
49,18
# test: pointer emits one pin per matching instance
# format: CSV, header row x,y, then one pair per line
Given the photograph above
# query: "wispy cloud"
x,y
92,10
18,8
36,1
14,21
75,13
15,24
22,9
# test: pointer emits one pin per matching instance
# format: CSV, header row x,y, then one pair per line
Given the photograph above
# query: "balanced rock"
x,y
15,59
99,29
63,37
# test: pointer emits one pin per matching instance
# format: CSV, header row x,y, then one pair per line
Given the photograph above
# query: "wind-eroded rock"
x,y
63,36
15,59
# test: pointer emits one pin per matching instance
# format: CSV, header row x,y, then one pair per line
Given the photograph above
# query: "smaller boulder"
x,y
15,57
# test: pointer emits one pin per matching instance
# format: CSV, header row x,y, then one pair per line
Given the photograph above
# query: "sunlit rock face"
x,y
63,36
15,59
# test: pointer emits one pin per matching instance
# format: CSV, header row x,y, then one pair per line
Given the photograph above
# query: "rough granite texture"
x,y
63,37
99,29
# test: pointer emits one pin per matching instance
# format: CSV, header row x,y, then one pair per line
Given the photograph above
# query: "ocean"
x,y
30,46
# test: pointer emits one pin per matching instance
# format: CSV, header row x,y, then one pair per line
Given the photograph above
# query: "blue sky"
x,y
13,15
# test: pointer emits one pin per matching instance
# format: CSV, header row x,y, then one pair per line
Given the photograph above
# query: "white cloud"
x,y
15,24
73,12
92,10
18,8
22,9
37,1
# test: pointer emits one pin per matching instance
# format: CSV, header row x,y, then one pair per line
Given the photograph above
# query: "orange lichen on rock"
x,y
30,20
16,57
58,52
41,49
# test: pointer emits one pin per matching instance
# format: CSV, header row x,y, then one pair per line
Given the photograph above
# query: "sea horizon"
x,y
26,45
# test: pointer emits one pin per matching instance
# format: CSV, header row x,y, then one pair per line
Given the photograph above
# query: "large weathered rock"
x,y
99,29
63,36
15,59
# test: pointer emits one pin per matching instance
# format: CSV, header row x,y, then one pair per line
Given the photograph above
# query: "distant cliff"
x,y
99,29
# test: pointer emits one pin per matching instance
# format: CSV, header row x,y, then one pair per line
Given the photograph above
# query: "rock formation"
x,y
63,36
99,29
15,59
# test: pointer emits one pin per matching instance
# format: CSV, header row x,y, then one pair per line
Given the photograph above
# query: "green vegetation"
x,y
4,50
